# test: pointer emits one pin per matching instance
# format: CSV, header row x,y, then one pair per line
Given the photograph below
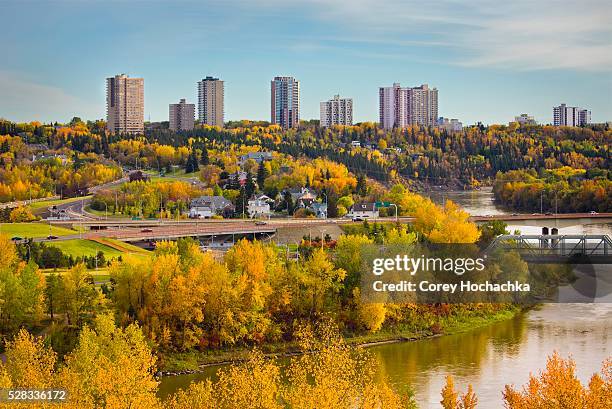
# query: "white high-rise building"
x,y
570,116
125,104
400,107
211,101
285,102
182,116
337,111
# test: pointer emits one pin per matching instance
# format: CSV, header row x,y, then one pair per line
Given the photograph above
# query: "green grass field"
x,y
33,230
111,248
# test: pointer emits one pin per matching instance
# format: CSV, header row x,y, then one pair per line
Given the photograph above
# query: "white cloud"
x,y
21,96
521,35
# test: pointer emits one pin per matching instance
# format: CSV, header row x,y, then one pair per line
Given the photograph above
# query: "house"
x,y
258,208
356,144
263,198
256,156
363,211
302,197
208,206
319,209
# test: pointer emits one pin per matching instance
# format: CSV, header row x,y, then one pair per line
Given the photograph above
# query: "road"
x,y
137,230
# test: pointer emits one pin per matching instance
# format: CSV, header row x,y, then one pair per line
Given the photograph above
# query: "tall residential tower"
x,y
182,116
285,102
337,111
400,107
211,101
570,116
125,104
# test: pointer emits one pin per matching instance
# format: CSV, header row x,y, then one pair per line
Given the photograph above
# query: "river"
x,y
493,356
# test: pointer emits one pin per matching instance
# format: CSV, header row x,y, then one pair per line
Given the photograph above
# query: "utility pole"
x,y
541,201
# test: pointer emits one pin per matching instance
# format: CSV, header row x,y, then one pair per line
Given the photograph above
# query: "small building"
x,y
258,208
525,119
256,156
301,197
363,211
205,207
319,209
356,144
450,125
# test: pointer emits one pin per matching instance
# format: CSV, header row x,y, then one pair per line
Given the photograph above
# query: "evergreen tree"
x,y
250,185
262,174
204,156
361,188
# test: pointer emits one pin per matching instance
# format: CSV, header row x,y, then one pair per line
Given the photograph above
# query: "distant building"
x,y
285,102
336,111
319,209
450,125
302,197
524,119
125,104
363,211
256,156
182,116
356,144
211,101
400,107
570,116
208,206
258,207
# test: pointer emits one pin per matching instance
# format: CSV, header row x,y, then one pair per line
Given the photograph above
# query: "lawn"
x,y
32,230
111,248
82,247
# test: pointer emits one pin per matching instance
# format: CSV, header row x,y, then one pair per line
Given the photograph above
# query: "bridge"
x,y
555,248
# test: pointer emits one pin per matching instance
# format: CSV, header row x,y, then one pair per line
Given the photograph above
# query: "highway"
x,y
144,230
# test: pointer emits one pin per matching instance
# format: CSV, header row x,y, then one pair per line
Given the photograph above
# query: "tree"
x,y
451,399
262,174
204,159
362,188
559,387
110,367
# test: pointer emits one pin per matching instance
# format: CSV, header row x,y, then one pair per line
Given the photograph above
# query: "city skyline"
x,y
491,61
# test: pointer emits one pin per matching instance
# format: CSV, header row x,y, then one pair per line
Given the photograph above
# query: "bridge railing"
x,y
560,245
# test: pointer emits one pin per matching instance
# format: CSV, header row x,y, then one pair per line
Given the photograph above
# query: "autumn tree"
x,y
558,387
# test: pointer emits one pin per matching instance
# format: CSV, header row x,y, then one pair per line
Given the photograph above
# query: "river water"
x,y
493,356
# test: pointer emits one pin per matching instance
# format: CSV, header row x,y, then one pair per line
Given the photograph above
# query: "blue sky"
x,y
490,60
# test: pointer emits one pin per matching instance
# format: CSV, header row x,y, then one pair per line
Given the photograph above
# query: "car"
x,y
16,238
146,231
51,237
357,218
260,223
514,214
548,213
593,212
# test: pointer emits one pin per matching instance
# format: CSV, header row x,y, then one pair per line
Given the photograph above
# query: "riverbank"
x,y
182,363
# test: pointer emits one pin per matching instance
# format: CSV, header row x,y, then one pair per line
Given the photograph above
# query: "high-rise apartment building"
x,y
210,101
337,111
400,107
125,104
182,116
570,116
285,102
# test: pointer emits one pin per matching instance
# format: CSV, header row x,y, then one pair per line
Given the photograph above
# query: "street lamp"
x,y
394,205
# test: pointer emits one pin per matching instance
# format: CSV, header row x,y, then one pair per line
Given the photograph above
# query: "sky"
x,y
490,60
